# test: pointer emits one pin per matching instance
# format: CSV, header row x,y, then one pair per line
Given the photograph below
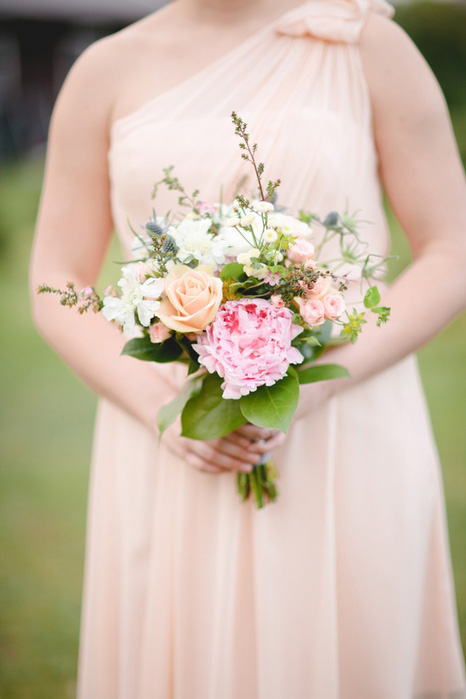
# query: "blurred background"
x,y
44,472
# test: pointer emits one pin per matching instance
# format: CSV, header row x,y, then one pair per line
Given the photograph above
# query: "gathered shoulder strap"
x,y
331,20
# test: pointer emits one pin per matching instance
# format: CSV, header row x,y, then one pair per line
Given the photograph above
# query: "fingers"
x,y
210,453
202,465
237,451
256,439
254,433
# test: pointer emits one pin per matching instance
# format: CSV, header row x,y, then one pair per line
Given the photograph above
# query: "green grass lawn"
x,y
44,470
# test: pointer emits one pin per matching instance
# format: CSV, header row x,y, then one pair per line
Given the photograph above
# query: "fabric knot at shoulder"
x,y
331,20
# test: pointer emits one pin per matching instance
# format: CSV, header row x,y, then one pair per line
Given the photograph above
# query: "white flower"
x,y
135,298
278,257
245,257
247,220
259,272
289,225
270,235
195,243
233,221
262,207
238,240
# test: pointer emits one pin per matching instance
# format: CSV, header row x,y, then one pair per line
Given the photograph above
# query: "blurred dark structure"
x,y
39,41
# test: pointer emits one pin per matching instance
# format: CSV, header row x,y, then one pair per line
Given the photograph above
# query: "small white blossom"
x,y
289,225
195,243
247,220
270,235
262,207
278,257
233,221
136,298
259,272
245,257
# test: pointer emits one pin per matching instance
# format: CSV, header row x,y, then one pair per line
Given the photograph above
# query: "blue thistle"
x,y
169,246
331,219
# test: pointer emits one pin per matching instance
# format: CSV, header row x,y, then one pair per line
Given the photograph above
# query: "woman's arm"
x,y
423,178
73,230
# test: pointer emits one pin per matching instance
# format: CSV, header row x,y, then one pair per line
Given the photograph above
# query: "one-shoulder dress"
x,y
343,587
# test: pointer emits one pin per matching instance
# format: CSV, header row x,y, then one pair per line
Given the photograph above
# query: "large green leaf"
x,y
169,412
207,415
272,406
322,372
233,270
143,348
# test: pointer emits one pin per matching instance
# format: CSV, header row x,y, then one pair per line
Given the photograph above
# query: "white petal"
x,y
146,311
153,288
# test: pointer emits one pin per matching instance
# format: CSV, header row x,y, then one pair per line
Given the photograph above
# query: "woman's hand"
x,y
238,451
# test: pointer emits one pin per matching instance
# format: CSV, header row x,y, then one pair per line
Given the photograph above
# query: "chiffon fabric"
x,y
343,587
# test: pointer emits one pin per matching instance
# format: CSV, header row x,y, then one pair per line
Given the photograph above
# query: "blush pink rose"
x,y
158,332
312,311
277,301
322,286
249,345
334,306
301,251
192,298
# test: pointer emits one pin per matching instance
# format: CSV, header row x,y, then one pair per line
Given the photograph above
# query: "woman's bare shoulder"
x,y
97,76
396,71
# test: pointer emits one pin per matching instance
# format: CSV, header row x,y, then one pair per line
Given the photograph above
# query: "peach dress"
x,y
343,587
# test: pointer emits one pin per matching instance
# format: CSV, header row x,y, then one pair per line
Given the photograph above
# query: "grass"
x,y
44,473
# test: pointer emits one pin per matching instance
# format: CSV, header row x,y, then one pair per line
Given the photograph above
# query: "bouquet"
x,y
243,295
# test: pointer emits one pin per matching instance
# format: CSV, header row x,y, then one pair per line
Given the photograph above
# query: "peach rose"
x,y
192,298
312,312
334,306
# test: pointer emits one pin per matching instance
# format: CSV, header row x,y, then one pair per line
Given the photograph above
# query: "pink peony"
x,y
301,251
334,306
312,312
158,332
249,345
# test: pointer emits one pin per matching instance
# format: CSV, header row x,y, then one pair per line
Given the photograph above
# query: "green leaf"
x,y
323,332
193,366
272,406
143,348
169,412
232,271
312,341
207,415
372,297
309,344
322,372
383,313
